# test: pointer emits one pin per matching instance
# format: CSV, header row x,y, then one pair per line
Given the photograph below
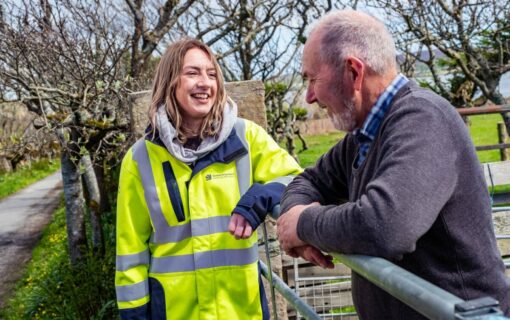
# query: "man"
x,y
404,184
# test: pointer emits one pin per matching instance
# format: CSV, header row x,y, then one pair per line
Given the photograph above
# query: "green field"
x,y
483,130
317,145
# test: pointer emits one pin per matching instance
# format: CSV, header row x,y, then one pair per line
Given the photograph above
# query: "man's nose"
x,y
310,95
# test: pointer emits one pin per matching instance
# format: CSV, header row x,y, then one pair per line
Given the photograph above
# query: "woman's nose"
x,y
205,80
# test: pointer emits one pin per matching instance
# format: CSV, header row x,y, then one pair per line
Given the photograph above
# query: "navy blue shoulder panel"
x,y
158,306
139,313
229,150
153,137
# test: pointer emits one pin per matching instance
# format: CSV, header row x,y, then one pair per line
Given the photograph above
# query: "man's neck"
x,y
374,86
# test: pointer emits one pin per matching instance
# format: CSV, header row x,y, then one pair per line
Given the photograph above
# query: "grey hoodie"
x,y
168,134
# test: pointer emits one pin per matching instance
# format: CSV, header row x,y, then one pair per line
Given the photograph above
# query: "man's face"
x,y
196,91
325,87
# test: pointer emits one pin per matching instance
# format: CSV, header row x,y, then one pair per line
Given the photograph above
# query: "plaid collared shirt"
x,y
366,134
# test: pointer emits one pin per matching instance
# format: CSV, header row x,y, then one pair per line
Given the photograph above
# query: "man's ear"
x,y
355,69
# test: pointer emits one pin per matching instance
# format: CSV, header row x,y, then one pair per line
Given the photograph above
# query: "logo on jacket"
x,y
209,177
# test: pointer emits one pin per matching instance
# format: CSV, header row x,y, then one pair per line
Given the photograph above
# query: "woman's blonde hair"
x,y
166,82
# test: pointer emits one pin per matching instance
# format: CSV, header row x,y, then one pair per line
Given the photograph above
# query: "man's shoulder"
x,y
413,92
418,100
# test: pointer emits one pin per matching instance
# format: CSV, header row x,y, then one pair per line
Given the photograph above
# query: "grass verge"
x,y
317,146
52,289
14,181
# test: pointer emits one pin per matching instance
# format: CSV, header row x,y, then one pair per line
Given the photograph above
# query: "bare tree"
x,y
64,61
257,39
471,39
151,24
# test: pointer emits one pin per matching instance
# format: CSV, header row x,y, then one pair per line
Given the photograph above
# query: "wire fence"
x,y
329,296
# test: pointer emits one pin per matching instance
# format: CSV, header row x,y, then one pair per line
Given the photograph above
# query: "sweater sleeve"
x,y
326,182
415,176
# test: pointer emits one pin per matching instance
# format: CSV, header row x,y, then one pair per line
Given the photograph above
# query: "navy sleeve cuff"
x,y
258,201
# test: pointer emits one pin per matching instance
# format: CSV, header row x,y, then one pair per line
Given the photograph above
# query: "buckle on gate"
x,y
477,307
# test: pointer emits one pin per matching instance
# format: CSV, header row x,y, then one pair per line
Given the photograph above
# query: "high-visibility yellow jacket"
x,y
175,256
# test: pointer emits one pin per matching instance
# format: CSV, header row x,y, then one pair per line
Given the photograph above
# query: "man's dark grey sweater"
x,y
419,200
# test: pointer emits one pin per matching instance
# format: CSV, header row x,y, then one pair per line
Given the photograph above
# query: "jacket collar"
x,y
229,150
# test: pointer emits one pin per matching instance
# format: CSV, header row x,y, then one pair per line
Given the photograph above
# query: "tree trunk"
x,y
75,208
94,204
101,182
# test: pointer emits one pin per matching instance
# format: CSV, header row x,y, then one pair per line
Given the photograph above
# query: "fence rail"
x,y
502,135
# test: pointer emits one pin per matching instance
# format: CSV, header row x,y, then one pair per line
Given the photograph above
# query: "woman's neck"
x,y
192,128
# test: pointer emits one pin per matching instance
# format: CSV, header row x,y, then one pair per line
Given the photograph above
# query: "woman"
x,y
191,194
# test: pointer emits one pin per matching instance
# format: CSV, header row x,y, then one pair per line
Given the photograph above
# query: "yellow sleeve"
x,y
269,161
133,233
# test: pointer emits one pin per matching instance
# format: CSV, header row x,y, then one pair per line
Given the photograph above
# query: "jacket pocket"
x,y
173,191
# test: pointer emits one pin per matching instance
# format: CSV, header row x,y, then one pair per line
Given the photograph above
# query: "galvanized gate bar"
x,y
424,297
304,309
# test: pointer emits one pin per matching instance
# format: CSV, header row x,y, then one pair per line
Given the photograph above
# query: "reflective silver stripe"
x,y
166,234
200,227
283,180
141,156
133,291
203,260
243,163
128,261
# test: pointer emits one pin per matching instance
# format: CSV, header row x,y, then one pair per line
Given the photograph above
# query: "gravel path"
x,y
23,216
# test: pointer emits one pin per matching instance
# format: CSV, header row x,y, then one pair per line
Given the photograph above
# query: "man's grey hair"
x,y
349,32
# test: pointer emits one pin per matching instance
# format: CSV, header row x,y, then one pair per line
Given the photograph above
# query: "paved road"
x,y
22,217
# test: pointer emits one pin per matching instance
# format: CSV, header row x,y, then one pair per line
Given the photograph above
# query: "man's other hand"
x,y
313,255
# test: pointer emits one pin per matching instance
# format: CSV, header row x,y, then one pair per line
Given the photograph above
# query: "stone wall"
x,y
16,131
249,96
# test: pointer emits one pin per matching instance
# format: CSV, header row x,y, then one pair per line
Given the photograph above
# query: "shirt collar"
x,y
374,119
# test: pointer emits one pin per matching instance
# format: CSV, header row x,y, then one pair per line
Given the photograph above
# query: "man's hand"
x,y
287,228
314,255
239,227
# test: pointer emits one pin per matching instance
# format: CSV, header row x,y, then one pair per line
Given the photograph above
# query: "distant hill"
x,y
423,56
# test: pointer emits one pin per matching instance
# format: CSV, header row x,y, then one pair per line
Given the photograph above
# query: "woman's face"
x,y
196,91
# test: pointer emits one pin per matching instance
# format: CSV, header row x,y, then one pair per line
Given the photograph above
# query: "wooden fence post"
x,y
502,138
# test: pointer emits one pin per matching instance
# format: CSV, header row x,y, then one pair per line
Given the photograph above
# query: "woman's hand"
x,y
239,227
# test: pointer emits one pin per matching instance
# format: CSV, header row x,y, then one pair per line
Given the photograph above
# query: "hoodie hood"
x,y
168,134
